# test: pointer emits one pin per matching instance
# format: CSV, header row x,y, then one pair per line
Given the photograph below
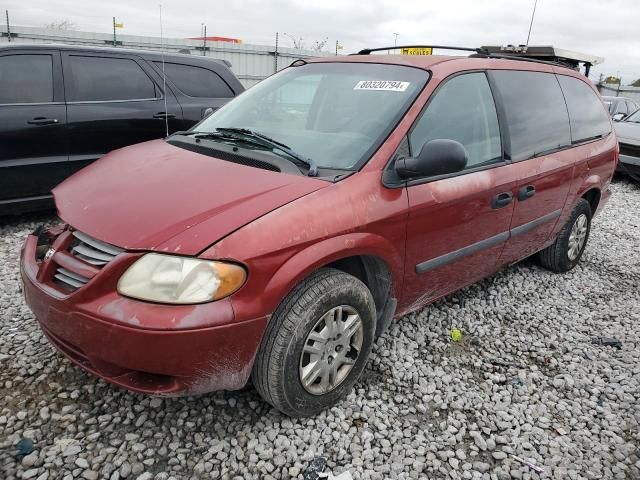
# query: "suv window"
x,y
106,78
588,118
462,110
26,79
535,112
196,81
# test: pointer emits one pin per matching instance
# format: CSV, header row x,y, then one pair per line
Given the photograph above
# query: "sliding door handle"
x,y
526,192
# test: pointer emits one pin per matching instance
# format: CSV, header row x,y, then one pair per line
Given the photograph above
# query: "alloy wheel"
x,y
331,350
577,237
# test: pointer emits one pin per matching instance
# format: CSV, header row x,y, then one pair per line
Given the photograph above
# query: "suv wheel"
x,y
317,344
566,251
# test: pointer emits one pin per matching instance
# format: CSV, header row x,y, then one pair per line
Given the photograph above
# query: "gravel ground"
x,y
525,380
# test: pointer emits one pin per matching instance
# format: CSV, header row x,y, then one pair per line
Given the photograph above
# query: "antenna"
x,y
533,14
164,78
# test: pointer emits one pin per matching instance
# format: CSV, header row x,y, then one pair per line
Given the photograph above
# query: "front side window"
x,y
26,79
93,79
337,114
463,110
622,107
535,112
588,118
196,81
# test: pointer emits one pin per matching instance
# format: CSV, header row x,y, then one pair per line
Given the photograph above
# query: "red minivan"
x,y
281,235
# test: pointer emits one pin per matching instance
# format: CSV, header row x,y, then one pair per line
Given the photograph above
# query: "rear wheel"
x,y
566,251
316,344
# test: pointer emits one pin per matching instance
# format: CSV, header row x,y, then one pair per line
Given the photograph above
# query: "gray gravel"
x,y
525,380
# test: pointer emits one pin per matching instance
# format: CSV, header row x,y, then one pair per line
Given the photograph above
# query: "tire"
x,y
560,257
283,356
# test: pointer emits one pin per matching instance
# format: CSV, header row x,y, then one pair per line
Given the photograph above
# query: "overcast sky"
x,y
606,28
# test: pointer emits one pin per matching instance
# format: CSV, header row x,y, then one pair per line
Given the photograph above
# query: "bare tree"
x,y
298,42
318,45
61,25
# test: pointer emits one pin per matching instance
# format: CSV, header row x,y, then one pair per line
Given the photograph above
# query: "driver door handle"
x,y
164,115
501,200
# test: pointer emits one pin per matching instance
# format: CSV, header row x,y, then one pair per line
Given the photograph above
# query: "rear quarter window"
x,y
588,117
535,111
196,81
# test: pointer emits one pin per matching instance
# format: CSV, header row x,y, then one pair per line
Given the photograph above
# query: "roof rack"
x,y
544,54
367,51
538,54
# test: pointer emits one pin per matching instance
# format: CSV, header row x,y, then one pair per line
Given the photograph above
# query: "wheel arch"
x,y
593,197
590,189
369,257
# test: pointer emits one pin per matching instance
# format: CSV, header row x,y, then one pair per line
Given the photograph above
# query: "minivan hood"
x,y
155,196
628,132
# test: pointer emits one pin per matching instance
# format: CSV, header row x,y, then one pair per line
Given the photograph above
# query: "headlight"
x,y
172,279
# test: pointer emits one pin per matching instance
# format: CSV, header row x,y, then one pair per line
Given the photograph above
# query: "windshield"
x,y
335,114
634,117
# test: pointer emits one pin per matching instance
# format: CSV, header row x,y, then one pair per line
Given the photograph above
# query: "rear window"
x,y
107,79
535,111
588,118
196,81
26,79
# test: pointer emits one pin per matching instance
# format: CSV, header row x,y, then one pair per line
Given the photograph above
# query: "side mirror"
x,y
206,112
437,157
618,117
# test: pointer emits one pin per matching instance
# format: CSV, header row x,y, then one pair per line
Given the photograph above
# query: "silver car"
x,y
620,107
628,132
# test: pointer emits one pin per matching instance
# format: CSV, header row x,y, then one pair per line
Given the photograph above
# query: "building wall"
x,y
250,63
624,91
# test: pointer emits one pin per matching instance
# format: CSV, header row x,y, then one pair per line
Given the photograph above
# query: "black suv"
x,y
63,106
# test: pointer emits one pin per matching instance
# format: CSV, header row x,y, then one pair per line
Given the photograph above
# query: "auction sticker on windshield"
x,y
386,85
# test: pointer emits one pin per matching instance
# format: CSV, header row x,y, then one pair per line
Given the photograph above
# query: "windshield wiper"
x,y
273,145
225,136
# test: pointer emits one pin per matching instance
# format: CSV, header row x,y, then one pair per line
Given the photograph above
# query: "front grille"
x,y
93,251
89,250
69,278
629,150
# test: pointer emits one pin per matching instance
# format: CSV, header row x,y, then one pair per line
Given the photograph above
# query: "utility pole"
x,y
275,55
395,41
114,32
8,26
204,44
531,24
337,48
619,85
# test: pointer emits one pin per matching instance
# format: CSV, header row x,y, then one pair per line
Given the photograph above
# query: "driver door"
x,y
458,223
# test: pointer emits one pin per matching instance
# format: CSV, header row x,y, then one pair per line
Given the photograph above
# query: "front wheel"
x,y
566,251
317,344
